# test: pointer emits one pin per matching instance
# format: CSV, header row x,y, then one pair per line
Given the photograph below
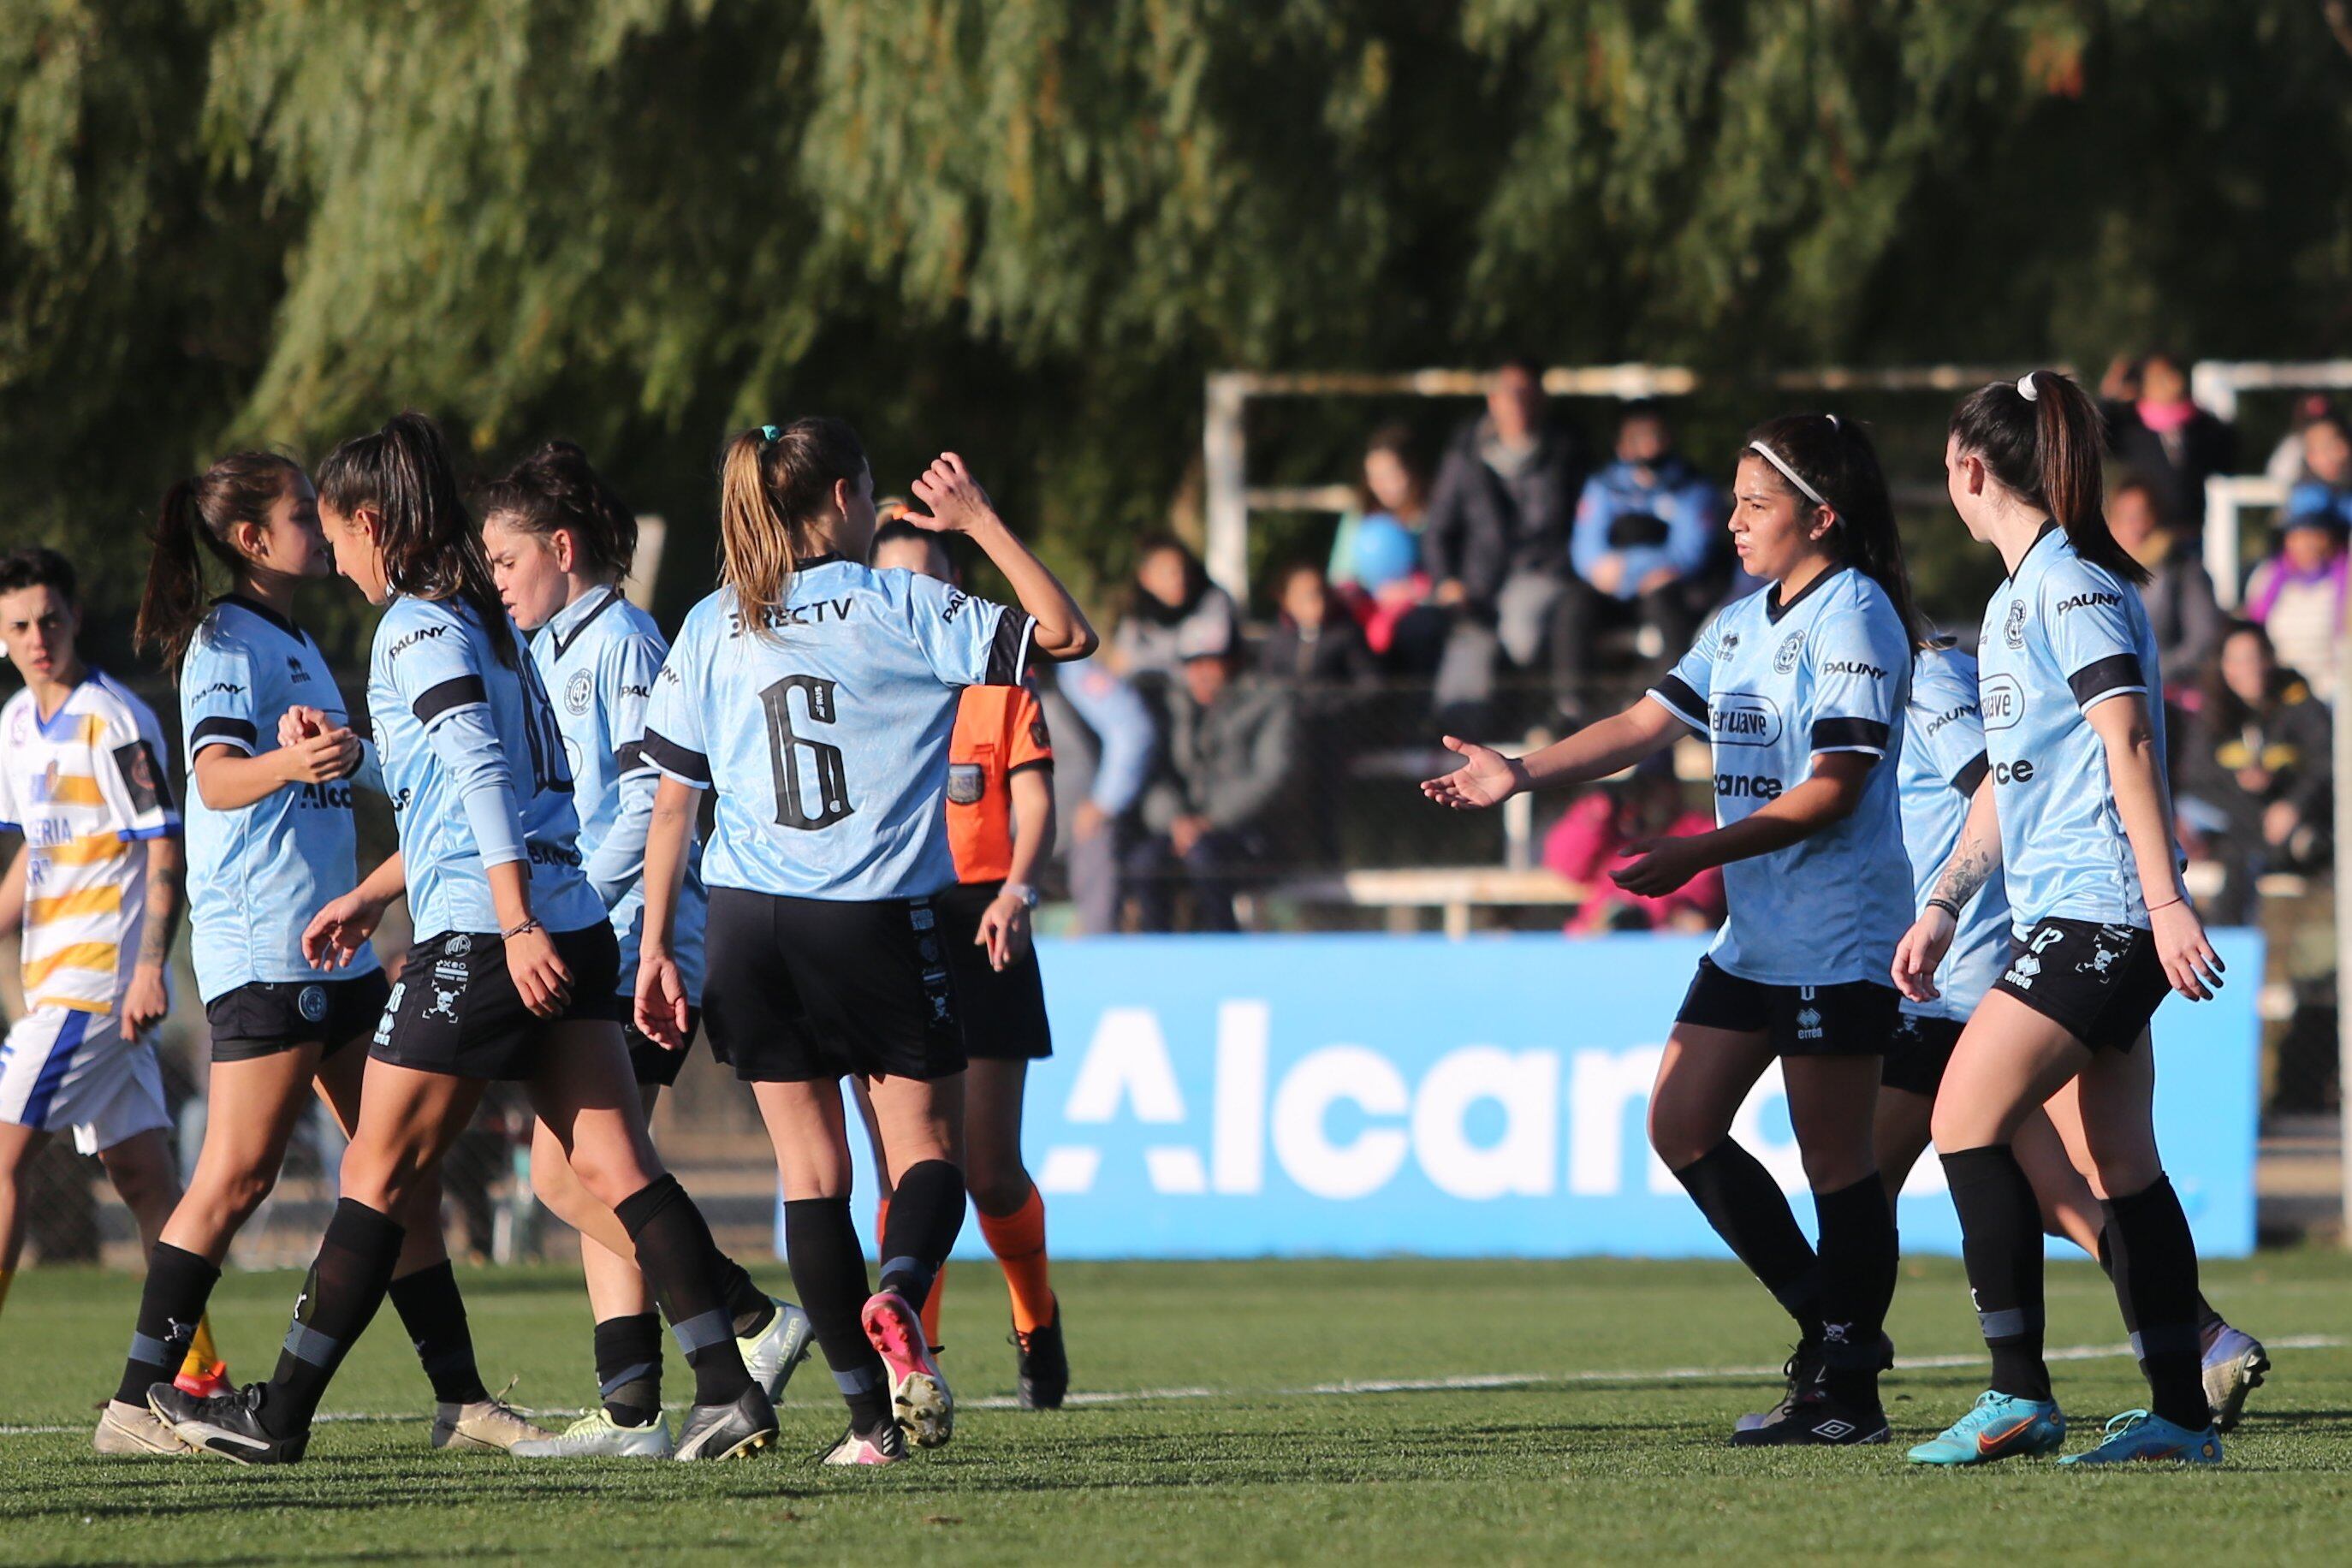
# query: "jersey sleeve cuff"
x,y
461,691
2110,677
1045,763
1674,694
689,768
220,730
1008,651
1968,778
1849,736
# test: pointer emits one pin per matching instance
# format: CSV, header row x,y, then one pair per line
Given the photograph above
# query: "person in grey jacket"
x,y
1234,760
2178,594
1107,739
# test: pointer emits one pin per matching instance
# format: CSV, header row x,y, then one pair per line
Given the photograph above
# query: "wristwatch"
x,y
1022,892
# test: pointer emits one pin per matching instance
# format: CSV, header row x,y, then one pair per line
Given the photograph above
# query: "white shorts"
x,y
62,1067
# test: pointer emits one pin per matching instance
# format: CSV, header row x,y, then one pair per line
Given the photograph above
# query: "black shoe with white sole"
x,y
1044,1366
228,1424
1815,1419
723,1431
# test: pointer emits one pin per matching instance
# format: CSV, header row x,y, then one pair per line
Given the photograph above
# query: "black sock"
x,y
629,1368
2155,1281
681,1263
1857,1259
2000,1241
178,1285
346,1285
829,1277
926,1213
1741,1200
747,1305
434,1313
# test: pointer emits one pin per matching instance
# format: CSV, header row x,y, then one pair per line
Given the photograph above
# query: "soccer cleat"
x,y
210,1384
2234,1369
918,1391
133,1431
776,1352
228,1424
724,1431
1803,1369
1817,1420
597,1435
886,1445
2137,1436
488,1424
1998,1427
1044,1366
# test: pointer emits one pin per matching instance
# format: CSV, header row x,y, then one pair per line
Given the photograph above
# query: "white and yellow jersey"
x,y
85,786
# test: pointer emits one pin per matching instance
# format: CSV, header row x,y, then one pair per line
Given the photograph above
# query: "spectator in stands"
x,y
1173,601
1496,542
2297,595
1225,799
1610,822
2257,776
1104,744
1395,487
2178,594
1315,642
2163,437
2325,483
1646,543
1390,599
2287,464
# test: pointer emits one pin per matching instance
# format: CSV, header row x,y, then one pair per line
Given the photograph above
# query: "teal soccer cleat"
x,y
1998,1427
2137,1436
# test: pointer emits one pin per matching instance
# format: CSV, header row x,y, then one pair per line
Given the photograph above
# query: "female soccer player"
x,y
270,840
1000,822
512,975
559,541
815,697
1801,689
2078,822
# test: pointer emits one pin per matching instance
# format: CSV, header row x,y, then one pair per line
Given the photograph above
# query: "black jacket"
x,y
1483,526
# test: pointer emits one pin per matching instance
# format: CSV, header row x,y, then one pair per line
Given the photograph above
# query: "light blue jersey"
x,y
1943,762
597,658
473,764
257,874
825,734
2061,636
1771,686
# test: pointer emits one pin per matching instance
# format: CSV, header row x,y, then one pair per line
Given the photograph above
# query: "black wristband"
x,y
1946,905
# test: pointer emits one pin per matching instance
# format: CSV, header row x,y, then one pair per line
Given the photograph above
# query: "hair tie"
x,y
769,435
1788,473
2026,388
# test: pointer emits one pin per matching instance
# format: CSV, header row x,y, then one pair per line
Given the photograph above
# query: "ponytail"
x,y
193,523
554,487
2042,437
426,536
774,484
1833,462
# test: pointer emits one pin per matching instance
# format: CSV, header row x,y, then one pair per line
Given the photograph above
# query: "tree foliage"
x,y
1027,227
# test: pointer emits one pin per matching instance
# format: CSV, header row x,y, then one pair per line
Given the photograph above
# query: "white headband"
x,y
1788,473
2025,387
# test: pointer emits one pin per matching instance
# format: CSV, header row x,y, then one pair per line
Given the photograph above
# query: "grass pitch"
x,y
1398,1411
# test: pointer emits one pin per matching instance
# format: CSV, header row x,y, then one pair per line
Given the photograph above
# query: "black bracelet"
x,y
1946,905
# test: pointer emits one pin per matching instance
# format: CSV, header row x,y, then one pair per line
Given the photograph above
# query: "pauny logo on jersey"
x,y
2085,600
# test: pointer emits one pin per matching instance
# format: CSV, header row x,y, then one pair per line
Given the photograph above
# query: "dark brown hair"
x,y
775,483
425,534
38,566
555,488
1837,458
193,522
2047,448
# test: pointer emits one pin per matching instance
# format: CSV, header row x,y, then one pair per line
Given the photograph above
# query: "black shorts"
x,y
268,1017
1004,1010
1919,1052
1853,1019
649,1059
456,1009
2099,983
799,990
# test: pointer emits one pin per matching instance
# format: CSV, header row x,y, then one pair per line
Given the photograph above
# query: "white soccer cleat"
x,y
489,1424
135,1431
597,1435
776,1352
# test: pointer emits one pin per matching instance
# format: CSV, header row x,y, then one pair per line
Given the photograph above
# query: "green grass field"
x,y
1551,1411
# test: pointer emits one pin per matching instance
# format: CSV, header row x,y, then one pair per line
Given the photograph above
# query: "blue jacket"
x,y
1673,494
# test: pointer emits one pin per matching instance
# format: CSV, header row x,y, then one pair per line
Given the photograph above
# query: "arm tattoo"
x,y
163,915
1971,868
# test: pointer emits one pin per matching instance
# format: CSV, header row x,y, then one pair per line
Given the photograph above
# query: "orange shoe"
x,y
211,1384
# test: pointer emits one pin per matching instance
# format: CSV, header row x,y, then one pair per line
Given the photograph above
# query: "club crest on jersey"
x,y
311,1004
578,692
966,782
1785,658
2013,630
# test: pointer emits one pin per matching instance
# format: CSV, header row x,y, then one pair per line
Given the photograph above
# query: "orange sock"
x,y
1018,1239
938,1280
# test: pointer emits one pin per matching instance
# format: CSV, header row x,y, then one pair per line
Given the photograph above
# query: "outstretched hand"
x,y
1485,778
958,504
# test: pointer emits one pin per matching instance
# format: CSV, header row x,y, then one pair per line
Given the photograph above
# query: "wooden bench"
x,y
1454,890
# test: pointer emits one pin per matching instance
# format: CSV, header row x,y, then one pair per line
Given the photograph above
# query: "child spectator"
x,y
2297,596
1172,602
1615,820
1395,488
